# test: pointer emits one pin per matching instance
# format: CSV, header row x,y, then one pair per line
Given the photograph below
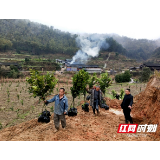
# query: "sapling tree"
x,y
18,96
51,108
32,108
22,102
17,111
41,85
104,82
122,94
92,80
75,88
83,81
80,81
0,125
8,93
113,93
12,107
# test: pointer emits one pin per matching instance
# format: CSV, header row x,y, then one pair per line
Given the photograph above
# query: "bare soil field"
x,y
83,127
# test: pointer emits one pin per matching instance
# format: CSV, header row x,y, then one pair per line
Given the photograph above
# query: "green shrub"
x,y
146,72
113,93
124,77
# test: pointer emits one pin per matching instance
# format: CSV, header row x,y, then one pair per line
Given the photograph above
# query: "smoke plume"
x,y
90,45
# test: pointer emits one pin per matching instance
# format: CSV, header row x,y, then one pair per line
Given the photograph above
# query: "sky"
x,y
132,28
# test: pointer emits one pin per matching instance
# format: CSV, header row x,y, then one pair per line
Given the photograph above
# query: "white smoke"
x,y
90,45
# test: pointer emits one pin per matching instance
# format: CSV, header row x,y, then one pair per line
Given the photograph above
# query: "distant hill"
x,y
140,49
25,36
155,58
34,38
113,60
156,53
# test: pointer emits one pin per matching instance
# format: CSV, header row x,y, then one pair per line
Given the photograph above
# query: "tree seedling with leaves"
x,y
80,81
74,89
121,94
104,82
32,108
0,126
22,102
52,109
8,93
41,85
83,81
12,108
92,80
18,96
113,93
17,111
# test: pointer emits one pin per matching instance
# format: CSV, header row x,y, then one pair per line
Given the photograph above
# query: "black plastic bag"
x,y
104,105
117,96
72,112
44,117
46,113
88,97
85,107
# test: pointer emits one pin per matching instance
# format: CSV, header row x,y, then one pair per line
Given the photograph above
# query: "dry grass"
x,y
157,74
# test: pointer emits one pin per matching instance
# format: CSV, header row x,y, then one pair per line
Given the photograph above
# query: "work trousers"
x,y
127,115
57,119
95,106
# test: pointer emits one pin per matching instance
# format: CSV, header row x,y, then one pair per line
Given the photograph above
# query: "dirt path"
x,y
83,127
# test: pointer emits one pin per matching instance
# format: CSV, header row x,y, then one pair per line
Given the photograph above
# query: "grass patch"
x,y
109,96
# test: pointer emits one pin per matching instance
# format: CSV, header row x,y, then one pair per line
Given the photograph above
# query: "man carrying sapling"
x,y
60,109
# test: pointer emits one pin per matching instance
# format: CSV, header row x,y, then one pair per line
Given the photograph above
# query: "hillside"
x,y
147,104
140,49
155,58
114,60
34,38
23,36
156,53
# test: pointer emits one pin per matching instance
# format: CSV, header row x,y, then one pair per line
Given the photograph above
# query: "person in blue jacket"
x,y
60,109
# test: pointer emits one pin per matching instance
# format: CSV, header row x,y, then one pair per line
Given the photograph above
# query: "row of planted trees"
x,y
82,79
42,85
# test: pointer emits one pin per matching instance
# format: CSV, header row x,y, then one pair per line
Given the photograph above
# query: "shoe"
x,y
126,122
64,128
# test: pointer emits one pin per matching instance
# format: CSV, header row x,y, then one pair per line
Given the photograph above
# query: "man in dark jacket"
x,y
96,98
127,105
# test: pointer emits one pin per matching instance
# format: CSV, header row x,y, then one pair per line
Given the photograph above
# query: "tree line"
x,y
35,38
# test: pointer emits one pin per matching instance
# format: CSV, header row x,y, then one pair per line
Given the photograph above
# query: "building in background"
x,y
151,66
87,68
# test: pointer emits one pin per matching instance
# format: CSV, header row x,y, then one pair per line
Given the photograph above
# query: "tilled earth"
x,y
83,127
